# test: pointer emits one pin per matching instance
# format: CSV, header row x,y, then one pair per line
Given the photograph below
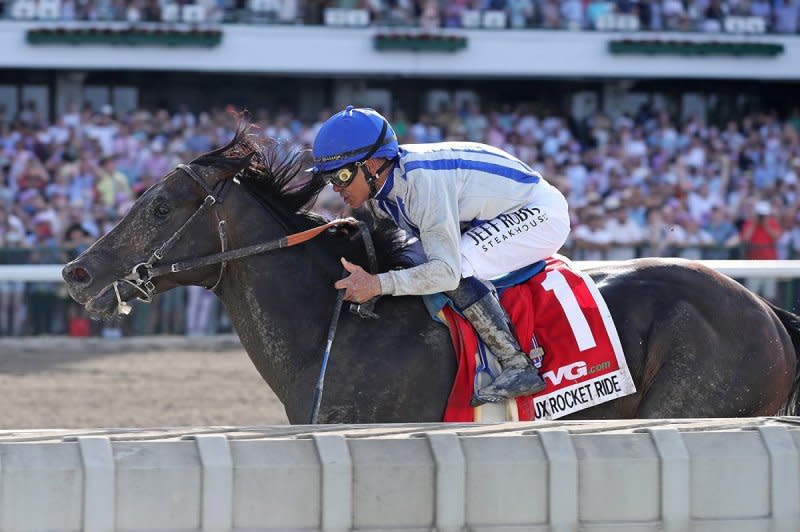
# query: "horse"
x,y
697,343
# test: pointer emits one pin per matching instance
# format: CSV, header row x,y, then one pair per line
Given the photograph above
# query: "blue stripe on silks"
x,y
402,207
387,187
391,209
463,164
477,149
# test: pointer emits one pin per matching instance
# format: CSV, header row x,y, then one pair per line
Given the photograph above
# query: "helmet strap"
x,y
379,142
372,179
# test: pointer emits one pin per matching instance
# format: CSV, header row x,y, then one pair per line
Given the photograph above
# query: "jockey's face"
x,y
357,192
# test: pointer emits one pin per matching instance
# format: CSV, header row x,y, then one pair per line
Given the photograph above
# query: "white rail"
x,y
767,269
30,272
709,475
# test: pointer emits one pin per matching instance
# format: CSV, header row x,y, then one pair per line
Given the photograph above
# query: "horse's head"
x,y
173,220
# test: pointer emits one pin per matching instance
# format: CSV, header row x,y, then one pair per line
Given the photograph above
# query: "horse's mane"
x,y
274,172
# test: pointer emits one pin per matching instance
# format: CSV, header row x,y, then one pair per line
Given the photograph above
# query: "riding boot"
x,y
519,376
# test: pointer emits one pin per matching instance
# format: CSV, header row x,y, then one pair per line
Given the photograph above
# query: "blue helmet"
x,y
351,136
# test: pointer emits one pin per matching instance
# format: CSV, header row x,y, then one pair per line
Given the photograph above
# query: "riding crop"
x,y
337,309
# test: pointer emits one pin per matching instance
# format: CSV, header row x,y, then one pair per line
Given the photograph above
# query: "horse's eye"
x,y
161,210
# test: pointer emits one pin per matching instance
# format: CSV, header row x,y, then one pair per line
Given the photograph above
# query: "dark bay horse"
x,y
697,343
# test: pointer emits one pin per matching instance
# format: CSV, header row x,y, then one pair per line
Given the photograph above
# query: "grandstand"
x,y
671,125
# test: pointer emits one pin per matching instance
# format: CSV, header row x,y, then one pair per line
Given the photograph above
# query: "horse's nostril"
x,y
80,275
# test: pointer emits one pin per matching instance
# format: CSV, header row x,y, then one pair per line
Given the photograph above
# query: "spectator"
x,y
72,117
714,16
42,295
649,12
475,124
521,13
76,240
82,177
724,236
29,115
12,301
625,235
739,8
658,239
597,9
786,16
171,310
591,239
423,131
400,129
34,176
103,129
759,235
674,15
548,14
154,161
112,186
429,18
453,13
199,307
694,240
761,8
572,14
701,201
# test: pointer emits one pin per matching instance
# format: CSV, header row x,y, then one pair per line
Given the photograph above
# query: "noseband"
x,y
142,275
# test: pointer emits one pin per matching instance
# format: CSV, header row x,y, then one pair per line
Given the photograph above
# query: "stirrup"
x,y
521,381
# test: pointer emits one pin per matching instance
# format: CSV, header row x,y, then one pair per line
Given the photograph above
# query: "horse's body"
x,y
697,343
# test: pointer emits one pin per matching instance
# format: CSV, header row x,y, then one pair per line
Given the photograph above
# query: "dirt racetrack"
x,y
131,382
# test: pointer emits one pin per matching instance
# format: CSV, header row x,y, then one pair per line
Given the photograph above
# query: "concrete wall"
x,y
319,50
709,475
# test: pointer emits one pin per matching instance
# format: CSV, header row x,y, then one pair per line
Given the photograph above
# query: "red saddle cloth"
x,y
562,310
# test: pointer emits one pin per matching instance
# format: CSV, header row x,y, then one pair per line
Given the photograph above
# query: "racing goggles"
x,y
342,177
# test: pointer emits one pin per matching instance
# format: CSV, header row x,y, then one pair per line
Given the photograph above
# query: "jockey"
x,y
513,218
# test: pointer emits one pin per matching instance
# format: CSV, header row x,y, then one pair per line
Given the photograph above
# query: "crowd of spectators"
x,y
640,185
780,16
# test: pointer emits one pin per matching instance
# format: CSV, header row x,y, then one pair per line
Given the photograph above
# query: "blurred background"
x,y
672,126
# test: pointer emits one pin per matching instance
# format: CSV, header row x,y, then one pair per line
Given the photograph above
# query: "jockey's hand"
x,y
359,286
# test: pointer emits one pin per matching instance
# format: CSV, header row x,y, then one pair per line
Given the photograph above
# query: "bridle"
x,y
142,275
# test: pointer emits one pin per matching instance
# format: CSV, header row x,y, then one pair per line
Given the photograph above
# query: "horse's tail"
x,y
790,322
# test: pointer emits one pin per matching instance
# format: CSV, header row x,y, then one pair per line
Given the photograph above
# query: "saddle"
x,y
556,309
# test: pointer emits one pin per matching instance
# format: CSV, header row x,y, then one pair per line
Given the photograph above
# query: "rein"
x,y
279,243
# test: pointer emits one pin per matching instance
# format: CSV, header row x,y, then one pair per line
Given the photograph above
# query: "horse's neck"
x,y
278,304
281,304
